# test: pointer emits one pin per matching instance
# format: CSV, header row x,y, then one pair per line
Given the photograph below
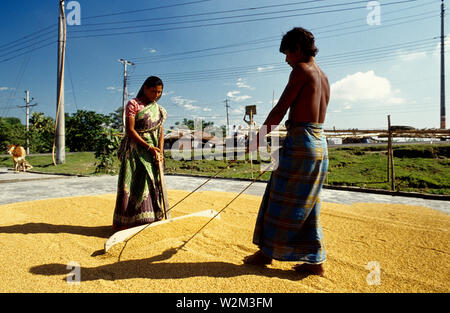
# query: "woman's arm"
x,y
134,135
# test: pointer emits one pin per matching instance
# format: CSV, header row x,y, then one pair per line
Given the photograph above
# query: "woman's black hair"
x,y
151,81
299,37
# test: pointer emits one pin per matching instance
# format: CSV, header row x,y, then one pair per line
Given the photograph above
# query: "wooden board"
x,y
122,235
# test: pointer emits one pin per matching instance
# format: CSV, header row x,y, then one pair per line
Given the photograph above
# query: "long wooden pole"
x,y
163,191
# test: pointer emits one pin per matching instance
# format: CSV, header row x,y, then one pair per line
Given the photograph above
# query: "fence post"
x,y
390,156
388,167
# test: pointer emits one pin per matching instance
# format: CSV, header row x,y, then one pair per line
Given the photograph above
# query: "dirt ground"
x,y
370,248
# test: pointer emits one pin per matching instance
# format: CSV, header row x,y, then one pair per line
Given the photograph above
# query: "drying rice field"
x,y
370,248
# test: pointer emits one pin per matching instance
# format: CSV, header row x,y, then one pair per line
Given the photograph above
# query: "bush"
x,y
106,145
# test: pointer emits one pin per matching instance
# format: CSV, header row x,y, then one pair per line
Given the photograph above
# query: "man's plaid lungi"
x,y
288,226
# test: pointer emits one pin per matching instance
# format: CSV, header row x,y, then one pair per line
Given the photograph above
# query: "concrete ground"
x,y
19,187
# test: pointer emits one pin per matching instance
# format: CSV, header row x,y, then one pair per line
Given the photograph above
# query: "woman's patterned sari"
x,y
139,192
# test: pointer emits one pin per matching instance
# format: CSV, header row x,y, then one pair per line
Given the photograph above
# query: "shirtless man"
x,y
306,95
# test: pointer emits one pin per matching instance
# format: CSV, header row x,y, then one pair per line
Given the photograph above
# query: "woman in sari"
x,y
139,193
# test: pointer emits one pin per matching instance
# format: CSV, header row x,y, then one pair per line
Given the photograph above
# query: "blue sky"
x,y
213,50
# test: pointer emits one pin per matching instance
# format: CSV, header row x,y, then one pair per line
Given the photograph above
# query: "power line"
x,y
146,9
43,46
51,38
214,18
13,43
26,52
18,80
376,53
234,22
71,83
161,58
201,14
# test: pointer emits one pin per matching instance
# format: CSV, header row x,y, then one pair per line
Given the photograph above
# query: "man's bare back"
x,y
306,94
311,103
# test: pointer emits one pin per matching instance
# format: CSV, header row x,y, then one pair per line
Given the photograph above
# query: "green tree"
x,y
42,132
12,132
191,124
116,118
83,128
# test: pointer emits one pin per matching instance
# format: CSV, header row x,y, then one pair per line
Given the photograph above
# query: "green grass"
x,y
368,169
81,163
418,168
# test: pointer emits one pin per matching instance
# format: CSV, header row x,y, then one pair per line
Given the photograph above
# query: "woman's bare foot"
x,y
258,258
316,269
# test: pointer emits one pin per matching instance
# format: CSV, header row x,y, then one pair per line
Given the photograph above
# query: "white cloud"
x,y
185,103
4,88
234,95
190,107
261,68
240,110
150,50
241,83
206,109
364,87
347,106
114,89
411,56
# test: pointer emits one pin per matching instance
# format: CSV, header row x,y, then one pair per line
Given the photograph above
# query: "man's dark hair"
x,y
151,81
296,38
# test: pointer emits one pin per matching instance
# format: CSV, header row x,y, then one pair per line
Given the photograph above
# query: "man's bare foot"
x,y
316,269
258,258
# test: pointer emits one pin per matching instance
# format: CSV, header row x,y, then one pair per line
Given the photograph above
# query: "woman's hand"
x,y
156,152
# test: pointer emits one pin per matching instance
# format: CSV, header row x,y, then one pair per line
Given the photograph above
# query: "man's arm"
x,y
296,81
291,91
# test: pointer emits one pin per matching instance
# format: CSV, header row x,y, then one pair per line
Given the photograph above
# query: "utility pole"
x,y
228,121
125,93
442,67
273,98
60,141
27,121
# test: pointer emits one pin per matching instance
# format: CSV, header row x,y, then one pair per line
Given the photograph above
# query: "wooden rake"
x,y
127,234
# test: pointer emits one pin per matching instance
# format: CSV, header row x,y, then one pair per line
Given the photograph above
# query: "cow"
x,y
18,154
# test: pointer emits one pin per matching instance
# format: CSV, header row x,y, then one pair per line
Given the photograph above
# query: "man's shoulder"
x,y
302,71
307,69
